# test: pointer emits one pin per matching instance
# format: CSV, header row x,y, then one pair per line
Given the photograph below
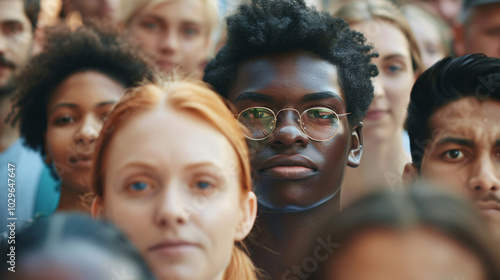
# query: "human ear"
x,y
249,213
96,210
356,148
410,174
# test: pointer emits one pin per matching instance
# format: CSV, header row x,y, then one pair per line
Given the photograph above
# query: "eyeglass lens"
x,y
318,123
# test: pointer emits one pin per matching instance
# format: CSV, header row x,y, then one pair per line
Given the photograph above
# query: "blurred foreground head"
x,y
421,234
73,246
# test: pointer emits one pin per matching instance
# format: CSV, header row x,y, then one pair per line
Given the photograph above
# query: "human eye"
x,y
190,31
321,116
13,28
150,25
139,187
64,120
207,184
453,154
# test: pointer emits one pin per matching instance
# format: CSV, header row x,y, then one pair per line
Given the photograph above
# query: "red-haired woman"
x,y
172,171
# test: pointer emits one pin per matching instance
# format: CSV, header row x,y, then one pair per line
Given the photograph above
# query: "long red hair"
x,y
195,98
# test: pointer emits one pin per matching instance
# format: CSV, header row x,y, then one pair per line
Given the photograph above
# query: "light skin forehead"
x,y
178,11
467,118
163,135
386,37
13,10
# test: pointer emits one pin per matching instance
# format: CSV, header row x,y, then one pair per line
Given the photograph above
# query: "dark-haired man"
x,y
454,130
300,83
18,20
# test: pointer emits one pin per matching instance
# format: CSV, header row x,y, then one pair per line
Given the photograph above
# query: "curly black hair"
x,y
277,26
448,80
96,47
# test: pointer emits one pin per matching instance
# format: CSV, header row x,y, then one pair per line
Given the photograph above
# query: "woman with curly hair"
x,y
66,92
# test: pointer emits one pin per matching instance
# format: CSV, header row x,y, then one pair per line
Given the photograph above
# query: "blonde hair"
x,y
368,10
131,8
195,98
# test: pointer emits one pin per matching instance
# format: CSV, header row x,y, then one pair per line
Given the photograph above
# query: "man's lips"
x,y
285,167
173,247
489,207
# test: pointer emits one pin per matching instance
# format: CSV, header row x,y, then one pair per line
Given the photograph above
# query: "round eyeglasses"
x,y
318,123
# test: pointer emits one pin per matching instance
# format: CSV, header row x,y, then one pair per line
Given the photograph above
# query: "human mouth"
x,y
375,114
284,167
81,160
173,248
490,207
165,65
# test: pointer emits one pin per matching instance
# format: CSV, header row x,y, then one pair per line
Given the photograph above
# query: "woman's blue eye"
x,y
203,185
394,68
139,186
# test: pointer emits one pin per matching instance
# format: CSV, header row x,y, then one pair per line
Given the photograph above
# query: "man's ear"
x,y
249,213
356,148
96,210
410,174
459,39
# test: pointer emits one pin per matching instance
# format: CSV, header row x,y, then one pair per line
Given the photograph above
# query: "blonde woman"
x,y
399,63
178,34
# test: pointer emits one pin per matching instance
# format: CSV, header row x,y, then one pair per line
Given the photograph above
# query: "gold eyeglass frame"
x,y
300,121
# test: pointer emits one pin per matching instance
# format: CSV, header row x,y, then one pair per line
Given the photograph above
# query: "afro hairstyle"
x,y
265,27
96,47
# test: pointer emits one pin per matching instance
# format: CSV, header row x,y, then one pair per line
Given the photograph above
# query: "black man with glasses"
x,y
300,82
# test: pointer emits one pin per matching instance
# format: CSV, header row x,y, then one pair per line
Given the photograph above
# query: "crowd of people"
x,y
259,139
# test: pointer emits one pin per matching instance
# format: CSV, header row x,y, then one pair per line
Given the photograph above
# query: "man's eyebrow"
x,y
459,141
71,105
255,96
320,96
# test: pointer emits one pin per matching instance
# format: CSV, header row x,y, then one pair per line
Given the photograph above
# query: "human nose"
x,y
88,131
169,42
171,207
288,131
378,87
485,175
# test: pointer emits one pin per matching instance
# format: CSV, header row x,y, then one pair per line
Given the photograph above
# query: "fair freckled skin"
x,y
383,157
75,113
464,154
415,254
175,33
176,185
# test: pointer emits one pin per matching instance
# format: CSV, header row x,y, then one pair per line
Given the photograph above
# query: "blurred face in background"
x,y
393,84
16,40
428,38
98,9
481,31
75,114
176,194
420,253
176,33
446,9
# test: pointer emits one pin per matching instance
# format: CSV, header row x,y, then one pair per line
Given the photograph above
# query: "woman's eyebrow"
x,y
59,105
